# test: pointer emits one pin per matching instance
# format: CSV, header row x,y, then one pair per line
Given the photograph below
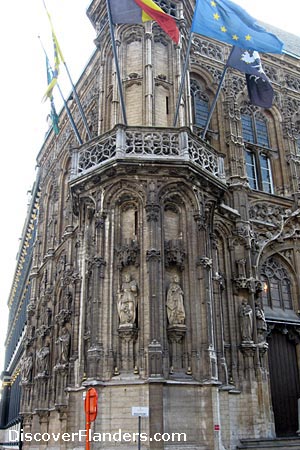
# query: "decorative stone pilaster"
x,y
128,334
155,359
176,334
94,359
61,371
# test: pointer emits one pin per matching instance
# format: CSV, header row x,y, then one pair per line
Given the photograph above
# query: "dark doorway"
x,y
284,382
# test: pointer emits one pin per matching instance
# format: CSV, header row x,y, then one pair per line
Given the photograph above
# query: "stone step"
x,y
292,443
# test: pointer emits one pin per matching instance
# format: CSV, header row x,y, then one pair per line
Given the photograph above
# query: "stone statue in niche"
x,y
261,324
241,267
175,306
127,301
42,360
27,368
64,340
246,321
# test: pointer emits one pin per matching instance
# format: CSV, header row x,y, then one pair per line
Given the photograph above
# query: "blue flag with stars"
x,y
228,22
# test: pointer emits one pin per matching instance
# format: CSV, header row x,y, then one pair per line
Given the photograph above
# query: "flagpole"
x,y
216,96
214,102
114,48
70,116
77,100
65,103
78,103
183,79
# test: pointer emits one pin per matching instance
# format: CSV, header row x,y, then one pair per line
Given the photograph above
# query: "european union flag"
x,y
228,22
259,87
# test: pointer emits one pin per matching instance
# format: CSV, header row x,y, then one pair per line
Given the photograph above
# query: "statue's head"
x,y
126,277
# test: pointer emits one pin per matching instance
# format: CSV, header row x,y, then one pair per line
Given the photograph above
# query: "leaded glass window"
x,y
200,104
251,169
277,285
256,141
255,130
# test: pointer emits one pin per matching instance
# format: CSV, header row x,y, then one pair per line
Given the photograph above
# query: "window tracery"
x,y
277,285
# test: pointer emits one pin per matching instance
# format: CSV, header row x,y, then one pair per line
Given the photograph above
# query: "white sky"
x,y
23,82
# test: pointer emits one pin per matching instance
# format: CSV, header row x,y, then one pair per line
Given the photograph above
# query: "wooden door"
x,y
284,380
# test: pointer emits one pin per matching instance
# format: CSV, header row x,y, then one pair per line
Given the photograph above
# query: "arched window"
x,y
254,129
200,104
256,141
277,285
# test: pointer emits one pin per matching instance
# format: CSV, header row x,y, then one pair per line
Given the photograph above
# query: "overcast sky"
x,y
23,83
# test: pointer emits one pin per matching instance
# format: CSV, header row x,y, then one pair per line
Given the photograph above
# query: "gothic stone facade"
x,y
165,269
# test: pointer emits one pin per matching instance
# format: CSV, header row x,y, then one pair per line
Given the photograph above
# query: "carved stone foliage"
x,y
63,316
267,214
174,253
272,73
204,48
290,106
153,255
272,223
128,254
292,82
234,85
205,262
96,261
251,284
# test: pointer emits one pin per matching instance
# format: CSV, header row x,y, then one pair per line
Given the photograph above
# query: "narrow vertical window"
x,y
200,104
266,176
251,169
247,128
261,133
257,163
201,111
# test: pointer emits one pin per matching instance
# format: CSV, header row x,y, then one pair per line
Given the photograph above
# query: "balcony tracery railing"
x,y
146,143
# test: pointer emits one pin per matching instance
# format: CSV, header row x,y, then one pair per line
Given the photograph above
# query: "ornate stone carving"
x,y
264,213
26,368
261,324
63,316
206,48
64,340
205,262
127,301
250,284
246,321
31,307
175,306
128,254
153,254
100,263
174,253
176,333
152,212
42,361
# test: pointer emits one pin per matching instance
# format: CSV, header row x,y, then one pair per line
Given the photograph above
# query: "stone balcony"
x,y
147,144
